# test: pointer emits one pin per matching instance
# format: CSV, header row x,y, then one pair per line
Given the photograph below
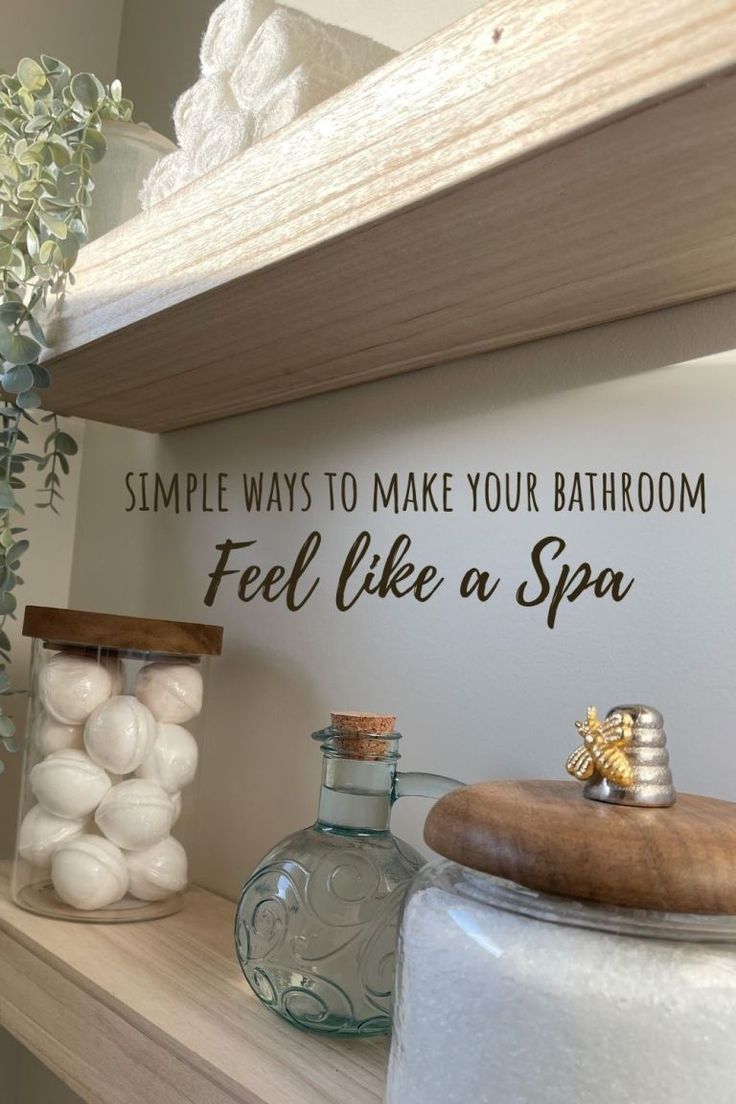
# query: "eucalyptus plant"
x,y
50,139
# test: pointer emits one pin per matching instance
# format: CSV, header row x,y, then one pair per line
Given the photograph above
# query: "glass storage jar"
x,y
112,747
573,950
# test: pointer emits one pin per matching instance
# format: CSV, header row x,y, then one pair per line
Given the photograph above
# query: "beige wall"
x,y
83,33
479,691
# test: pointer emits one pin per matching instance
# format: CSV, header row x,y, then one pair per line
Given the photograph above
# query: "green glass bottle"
x,y
316,924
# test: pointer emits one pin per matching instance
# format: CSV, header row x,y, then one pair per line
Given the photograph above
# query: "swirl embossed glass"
x,y
316,925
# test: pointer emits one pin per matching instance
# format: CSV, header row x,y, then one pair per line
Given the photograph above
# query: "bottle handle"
x,y
419,784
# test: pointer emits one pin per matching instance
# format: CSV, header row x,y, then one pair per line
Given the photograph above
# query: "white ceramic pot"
x,y
132,151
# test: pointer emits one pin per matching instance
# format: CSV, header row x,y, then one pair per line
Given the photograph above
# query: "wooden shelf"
x,y
158,1013
532,169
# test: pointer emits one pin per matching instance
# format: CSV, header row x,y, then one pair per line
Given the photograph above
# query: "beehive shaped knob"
x,y
650,783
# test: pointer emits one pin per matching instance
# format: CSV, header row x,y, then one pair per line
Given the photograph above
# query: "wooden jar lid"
x,y
548,837
109,630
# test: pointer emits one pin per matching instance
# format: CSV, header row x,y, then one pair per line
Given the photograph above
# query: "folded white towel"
x,y
223,138
262,65
168,175
287,39
200,107
303,89
230,29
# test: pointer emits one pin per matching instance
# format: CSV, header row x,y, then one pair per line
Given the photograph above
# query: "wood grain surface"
x,y
532,169
547,836
110,630
158,1013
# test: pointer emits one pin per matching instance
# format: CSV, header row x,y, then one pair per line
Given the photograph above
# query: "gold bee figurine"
x,y
603,751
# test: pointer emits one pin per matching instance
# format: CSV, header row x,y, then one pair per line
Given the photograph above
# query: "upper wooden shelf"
x,y
532,169
159,1013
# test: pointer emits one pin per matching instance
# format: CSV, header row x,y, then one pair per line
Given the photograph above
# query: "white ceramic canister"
x,y
132,151
573,949
101,694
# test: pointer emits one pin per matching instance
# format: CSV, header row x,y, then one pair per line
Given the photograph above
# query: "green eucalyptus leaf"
x,y
29,189
11,312
41,379
8,602
15,552
18,379
17,348
30,74
65,444
9,169
28,400
38,335
32,241
53,66
7,498
53,224
19,265
87,90
95,142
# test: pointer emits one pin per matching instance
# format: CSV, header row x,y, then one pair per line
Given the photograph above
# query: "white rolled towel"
x,y
262,65
230,29
200,107
288,39
223,138
168,175
304,88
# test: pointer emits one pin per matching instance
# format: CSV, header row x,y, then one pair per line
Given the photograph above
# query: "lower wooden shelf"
x,y
158,1012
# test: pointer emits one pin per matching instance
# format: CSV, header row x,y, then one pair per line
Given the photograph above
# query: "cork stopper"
x,y
359,734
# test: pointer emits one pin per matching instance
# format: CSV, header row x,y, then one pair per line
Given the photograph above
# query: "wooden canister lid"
x,y
108,630
548,837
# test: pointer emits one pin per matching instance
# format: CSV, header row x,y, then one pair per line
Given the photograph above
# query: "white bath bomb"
x,y
172,761
176,799
135,814
89,873
158,871
71,686
69,784
42,833
120,734
172,691
50,735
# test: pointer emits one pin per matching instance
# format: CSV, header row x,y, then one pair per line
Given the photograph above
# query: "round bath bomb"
x,y
42,833
71,686
50,735
119,734
172,761
172,691
135,814
69,784
176,799
89,873
158,871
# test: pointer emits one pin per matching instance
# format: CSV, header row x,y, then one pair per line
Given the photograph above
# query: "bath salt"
x,y
496,1007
